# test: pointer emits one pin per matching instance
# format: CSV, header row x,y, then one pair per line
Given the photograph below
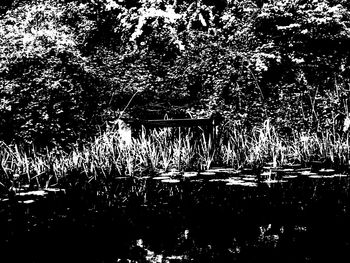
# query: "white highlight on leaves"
x,y
111,5
304,138
169,15
291,26
346,124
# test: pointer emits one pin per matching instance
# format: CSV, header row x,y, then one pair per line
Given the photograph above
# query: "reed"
x,y
264,145
206,152
189,157
108,156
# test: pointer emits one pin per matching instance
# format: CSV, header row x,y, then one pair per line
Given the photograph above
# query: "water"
x,y
301,220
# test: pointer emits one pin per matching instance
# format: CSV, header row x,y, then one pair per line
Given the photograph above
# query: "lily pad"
x,y
290,176
169,174
249,179
161,178
274,181
340,175
171,181
307,173
242,183
27,202
229,170
190,174
33,193
319,176
207,174
55,190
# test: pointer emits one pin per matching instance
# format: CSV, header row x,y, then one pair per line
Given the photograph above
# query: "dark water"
x,y
303,220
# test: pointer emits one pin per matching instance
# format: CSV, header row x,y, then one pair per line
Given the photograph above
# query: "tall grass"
x,y
264,144
108,156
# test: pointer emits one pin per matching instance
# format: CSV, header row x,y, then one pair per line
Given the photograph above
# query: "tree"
x,y
306,41
49,90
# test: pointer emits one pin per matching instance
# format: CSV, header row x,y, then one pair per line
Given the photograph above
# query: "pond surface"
x,y
146,220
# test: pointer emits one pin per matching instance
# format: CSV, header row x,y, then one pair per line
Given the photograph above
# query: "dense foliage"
x,y
68,66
